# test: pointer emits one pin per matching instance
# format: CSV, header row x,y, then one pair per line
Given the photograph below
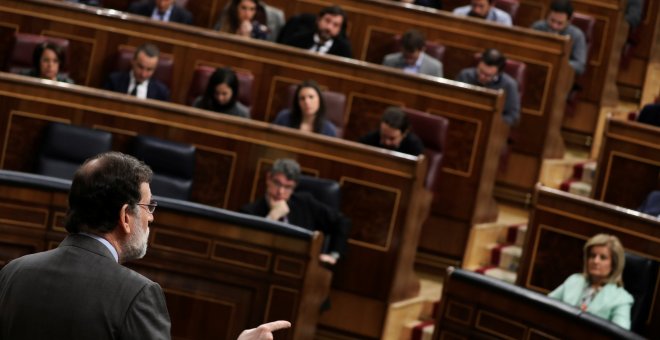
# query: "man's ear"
x,y
124,218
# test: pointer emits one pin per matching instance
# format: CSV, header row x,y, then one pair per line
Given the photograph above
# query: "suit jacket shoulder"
x,y
78,291
341,47
144,8
431,66
181,15
302,39
117,82
158,90
393,59
257,208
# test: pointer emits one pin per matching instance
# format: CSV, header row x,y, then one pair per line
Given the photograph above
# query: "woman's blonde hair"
x,y
617,254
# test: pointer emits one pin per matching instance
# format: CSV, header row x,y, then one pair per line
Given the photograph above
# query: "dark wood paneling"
x,y
376,176
469,171
372,23
474,306
629,163
208,296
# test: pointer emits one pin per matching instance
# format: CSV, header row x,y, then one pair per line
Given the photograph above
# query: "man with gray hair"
x,y
281,203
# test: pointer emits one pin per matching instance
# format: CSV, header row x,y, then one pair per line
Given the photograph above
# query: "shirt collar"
x,y
105,243
165,16
317,40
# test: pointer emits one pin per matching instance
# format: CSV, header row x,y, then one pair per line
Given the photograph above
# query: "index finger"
x,y
276,325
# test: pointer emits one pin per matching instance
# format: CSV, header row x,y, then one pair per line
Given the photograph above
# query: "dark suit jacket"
x,y
650,114
651,204
146,8
305,39
307,212
410,144
79,291
119,81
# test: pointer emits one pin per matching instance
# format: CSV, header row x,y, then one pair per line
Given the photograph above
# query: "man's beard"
x,y
136,245
324,35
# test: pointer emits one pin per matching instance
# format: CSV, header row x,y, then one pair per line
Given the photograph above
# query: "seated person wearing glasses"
x,y
489,73
281,203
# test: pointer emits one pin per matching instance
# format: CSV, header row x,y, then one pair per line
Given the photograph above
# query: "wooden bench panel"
x,y
478,306
208,295
562,222
242,150
473,143
629,163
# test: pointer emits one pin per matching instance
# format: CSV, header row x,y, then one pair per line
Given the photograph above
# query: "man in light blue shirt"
x,y
484,9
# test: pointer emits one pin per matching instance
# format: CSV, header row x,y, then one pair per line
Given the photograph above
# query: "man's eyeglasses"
x,y
151,207
279,185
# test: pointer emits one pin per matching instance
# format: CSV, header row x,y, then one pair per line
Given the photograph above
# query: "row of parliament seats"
x,y
585,105
65,147
430,128
469,155
221,271
382,192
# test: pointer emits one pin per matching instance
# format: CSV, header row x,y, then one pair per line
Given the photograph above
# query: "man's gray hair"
x,y
288,167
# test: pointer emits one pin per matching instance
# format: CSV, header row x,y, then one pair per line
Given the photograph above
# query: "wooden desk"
x,y
636,78
562,222
477,306
371,24
476,134
381,192
599,80
628,164
221,272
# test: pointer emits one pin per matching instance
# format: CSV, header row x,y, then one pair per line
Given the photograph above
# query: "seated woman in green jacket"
x,y
599,288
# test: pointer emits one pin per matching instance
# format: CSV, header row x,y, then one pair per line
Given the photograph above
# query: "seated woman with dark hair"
x,y
46,60
240,17
307,111
599,288
221,94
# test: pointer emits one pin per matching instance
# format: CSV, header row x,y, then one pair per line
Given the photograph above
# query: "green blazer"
x,y
612,302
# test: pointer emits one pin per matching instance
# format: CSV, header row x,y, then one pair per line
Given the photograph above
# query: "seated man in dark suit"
x,y
394,134
81,290
163,10
489,73
281,203
137,81
412,58
326,37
